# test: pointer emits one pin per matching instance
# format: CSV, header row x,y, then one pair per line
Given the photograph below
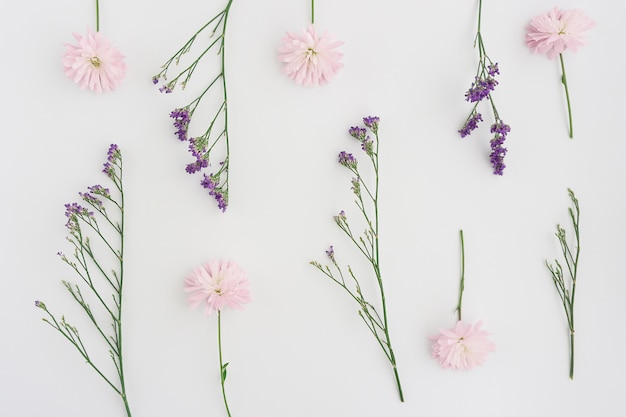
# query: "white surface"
x,y
300,349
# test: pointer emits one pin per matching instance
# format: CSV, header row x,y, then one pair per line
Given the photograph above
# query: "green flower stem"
x,y
312,11
392,357
569,107
462,285
224,167
97,16
222,366
119,304
568,295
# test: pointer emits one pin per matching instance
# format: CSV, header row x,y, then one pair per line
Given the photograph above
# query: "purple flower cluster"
x,y
359,133
72,212
211,183
113,156
497,150
331,253
471,124
493,70
91,199
372,123
347,160
99,190
480,89
198,151
181,122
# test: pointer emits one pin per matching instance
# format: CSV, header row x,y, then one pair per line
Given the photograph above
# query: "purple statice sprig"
x,y
367,244
99,267
203,147
480,90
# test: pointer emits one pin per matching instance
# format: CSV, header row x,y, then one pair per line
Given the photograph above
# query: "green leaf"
x,y
224,371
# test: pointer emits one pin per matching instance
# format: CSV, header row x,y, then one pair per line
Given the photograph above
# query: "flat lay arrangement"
x,y
369,225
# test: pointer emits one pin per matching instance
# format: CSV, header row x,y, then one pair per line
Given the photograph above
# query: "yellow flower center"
x,y
95,61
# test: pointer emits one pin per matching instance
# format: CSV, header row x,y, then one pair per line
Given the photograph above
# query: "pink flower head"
x,y
463,347
218,284
310,59
553,32
94,63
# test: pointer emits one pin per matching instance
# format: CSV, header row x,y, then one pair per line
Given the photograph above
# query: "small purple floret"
x,y
471,124
181,123
497,150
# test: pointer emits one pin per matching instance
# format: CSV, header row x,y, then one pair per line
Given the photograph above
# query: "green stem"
x,y
379,278
226,163
462,285
480,12
119,305
312,11
571,354
222,370
569,107
97,16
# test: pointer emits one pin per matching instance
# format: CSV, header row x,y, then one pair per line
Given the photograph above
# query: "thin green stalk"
x,y
226,163
312,11
379,277
569,107
462,285
97,16
222,366
119,305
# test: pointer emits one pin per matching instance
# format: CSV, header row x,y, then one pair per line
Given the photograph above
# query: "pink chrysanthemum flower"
x,y
463,347
93,63
217,284
553,32
310,59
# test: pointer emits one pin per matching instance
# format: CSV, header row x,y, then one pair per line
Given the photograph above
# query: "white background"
x,y
300,349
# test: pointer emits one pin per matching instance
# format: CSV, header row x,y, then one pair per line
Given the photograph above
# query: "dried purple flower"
x,y
181,122
480,89
493,70
358,133
372,123
347,160
497,150
471,124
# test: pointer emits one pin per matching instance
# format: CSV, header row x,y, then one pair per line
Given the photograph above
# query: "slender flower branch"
x,y
97,15
222,364
312,11
85,260
567,292
569,107
462,284
367,244
481,89
202,148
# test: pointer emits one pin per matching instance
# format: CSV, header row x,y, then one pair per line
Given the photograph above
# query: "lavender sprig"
x,y
366,199
482,87
567,290
201,147
83,223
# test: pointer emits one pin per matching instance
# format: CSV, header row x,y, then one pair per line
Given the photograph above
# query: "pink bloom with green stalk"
x,y
218,284
554,32
465,346
310,59
93,62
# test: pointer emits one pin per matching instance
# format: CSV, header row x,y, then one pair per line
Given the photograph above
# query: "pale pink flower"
x,y
310,59
463,347
93,63
553,32
217,284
